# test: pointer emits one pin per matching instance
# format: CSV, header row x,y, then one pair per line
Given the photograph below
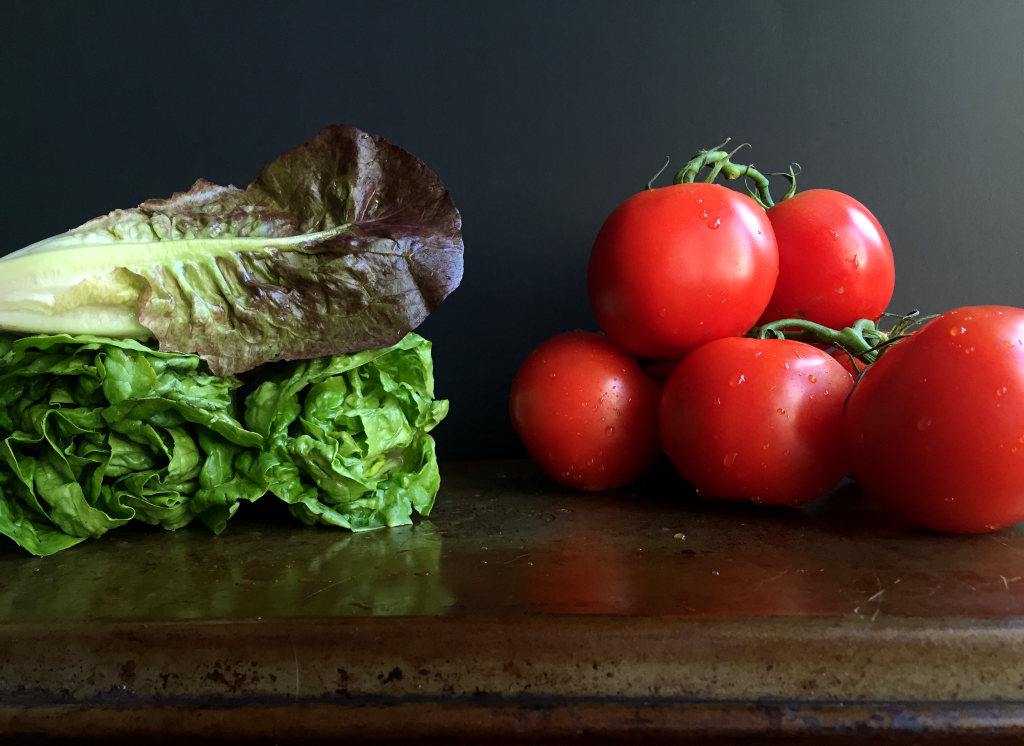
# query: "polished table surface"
x,y
521,611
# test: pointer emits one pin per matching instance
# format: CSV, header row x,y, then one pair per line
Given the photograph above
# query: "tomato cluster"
x,y
765,377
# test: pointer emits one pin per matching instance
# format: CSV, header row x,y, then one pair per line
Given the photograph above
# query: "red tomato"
x,y
677,267
586,412
935,431
757,419
835,263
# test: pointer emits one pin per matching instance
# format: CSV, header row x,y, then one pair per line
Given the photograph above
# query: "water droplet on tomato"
x,y
835,236
786,365
825,394
585,404
590,463
704,213
757,354
780,410
922,424
856,260
736,380
713,224
718,401
785,453
565,475
948,499
841,291
609,430
766,446
1008,343
553,375
1001,391
730,459
756,501
812,379
956,331
577,477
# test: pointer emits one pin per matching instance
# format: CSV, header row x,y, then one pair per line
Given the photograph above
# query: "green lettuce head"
x,y
95,432
346,436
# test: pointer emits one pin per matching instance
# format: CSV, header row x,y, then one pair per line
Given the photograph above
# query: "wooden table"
x,y
523,612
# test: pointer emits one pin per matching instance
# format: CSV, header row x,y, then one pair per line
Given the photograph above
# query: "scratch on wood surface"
x,y
772,579
340,582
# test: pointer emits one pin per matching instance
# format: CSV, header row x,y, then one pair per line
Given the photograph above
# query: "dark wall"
x,y
540,117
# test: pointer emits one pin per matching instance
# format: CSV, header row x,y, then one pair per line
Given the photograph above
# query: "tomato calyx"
x,y
719,161
650,184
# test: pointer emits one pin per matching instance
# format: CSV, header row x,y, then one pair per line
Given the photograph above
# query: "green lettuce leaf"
x,y
95,432
342,244
347,435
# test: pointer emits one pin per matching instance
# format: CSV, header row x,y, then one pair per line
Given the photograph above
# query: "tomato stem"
x,y
863,341
719,162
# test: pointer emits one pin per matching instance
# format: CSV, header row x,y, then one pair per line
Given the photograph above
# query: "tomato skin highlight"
x,y
677,267
750,419
935,430
835,262
586,412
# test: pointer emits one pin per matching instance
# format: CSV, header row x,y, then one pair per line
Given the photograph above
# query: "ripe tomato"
x,y
757,419
677,267
586,412
835,263
935,430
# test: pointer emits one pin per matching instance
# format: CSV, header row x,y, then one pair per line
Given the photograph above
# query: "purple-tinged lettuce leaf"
x,y
342,244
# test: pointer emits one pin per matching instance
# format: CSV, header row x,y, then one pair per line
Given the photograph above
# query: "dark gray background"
x,y
540,117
